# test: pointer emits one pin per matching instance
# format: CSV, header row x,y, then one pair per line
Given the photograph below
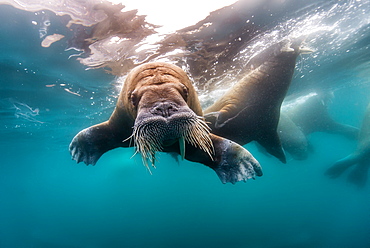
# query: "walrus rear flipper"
x,y
341,166
271,142
91,143
359,174
346,130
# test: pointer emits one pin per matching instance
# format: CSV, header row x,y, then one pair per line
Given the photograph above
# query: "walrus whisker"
x,y
145,162
198,136
146,145
129,138
182,147
150,135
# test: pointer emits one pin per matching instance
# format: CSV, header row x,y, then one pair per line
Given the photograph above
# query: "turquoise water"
x,y
47,200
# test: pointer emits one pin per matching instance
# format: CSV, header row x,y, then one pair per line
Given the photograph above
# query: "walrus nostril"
x,y
164,109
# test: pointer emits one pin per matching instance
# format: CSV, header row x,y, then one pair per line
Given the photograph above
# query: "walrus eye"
x,y
133,99
185,92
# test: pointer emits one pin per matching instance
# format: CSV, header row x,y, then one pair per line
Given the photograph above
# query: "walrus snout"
x,y
164,109
154,132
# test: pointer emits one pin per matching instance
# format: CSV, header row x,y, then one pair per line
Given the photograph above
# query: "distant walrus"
x,y
250,110
304,115
360,157
158,110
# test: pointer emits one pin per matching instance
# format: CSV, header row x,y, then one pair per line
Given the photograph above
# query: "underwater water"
x,y
47,97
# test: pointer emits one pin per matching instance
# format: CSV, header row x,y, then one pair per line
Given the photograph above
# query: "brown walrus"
x,y
250,110
158,110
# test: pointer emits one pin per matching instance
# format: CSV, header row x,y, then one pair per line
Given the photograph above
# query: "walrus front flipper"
x,y
233,163
271,142
341,166
216,119
91,143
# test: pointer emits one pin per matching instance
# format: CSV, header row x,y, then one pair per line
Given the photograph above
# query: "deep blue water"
x,y
47,200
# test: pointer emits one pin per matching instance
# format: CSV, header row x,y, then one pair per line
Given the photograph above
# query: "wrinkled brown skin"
x,y
250,110
144,87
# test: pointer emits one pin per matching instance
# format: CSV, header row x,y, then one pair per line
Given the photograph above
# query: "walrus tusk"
x,y
306,50
182,147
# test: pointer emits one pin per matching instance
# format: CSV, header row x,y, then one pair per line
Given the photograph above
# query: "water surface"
x,y
47,96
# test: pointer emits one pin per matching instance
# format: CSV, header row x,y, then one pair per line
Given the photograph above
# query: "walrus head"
x,y
166,110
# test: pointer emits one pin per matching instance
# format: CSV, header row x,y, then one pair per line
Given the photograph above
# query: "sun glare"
x,y
174,15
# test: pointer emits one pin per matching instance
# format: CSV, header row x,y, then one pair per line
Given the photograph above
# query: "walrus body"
x,y
305,115
158,110
250,110
360,158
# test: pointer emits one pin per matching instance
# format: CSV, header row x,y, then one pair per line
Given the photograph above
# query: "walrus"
x,y
250,110
304,115
158,111
360,158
